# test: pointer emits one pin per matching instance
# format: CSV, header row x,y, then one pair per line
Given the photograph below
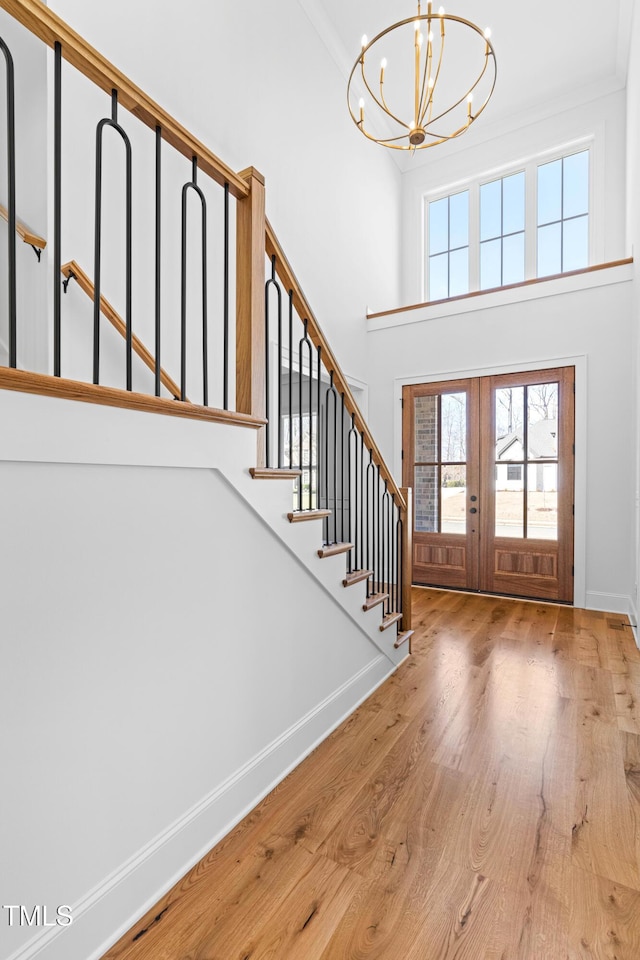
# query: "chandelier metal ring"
x,y
420,132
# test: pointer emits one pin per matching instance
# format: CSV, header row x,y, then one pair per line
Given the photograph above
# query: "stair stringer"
x,y
272,502
58,432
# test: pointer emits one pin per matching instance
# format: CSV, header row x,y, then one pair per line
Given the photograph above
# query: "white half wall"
x,y
555,324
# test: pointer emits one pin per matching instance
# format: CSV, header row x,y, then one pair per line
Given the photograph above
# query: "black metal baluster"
x,y
57,208
316,442
342,466
378,531
400,561
310,401
11,203
352,484
225,307
389,539
290,379
326,456
384,548
158,264
331,402
304,342
193,185
112,122
279,414
370,563
394,549
271,282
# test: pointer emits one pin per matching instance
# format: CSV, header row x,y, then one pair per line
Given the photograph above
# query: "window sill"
x,y
599,275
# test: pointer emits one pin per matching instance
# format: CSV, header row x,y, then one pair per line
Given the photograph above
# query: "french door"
x,y
491,463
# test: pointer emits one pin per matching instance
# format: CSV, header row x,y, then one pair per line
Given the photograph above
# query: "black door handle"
x,y
473,510
473,499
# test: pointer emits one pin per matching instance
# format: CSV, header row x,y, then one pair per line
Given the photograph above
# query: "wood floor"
x,y
484,804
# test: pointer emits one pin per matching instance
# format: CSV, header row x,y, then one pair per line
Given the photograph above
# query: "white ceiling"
x,y
549,57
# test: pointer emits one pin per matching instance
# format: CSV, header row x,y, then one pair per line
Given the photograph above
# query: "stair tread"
x,y
300,515
374,600
333,549
356,576
389,620
274,473
402,638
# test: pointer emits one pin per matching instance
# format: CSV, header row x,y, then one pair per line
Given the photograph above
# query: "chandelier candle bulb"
x,y
437,113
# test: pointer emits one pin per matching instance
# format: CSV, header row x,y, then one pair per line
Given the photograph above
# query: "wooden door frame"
x,y
579,361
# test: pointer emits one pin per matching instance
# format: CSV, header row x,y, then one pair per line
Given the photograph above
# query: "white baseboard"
x,y
105,913
633,617
607,602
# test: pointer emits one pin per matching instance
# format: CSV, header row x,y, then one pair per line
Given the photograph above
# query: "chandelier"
x,y
422,97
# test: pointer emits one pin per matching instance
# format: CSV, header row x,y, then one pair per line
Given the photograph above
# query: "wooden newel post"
x,y
407,557
250,309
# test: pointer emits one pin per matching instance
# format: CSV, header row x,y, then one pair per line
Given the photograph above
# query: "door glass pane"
x,y
542,501
509,423
454,427
509,500
426,429
425,492
542,415
454,499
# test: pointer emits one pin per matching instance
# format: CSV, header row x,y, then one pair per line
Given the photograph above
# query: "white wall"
x,y
604,119
166,659
593,325
258,86
633,242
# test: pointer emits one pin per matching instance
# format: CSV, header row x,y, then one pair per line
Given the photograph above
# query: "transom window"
x,y
533,222
449,246
502,231
563,214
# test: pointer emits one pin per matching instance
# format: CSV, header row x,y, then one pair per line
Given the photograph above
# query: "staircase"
x,y
222,385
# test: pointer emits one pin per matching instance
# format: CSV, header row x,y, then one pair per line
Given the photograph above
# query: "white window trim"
x,y
529,165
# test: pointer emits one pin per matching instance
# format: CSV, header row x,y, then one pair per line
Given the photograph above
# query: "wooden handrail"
x,y
72,270
43,23
301,304
23,381
24,232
